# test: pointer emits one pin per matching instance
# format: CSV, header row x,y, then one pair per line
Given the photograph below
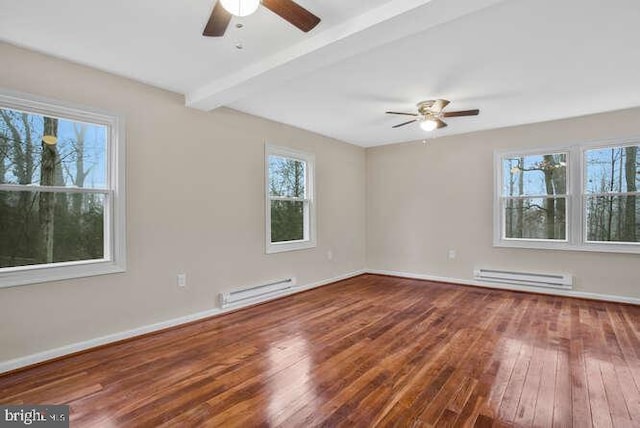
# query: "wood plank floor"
x,y
368,351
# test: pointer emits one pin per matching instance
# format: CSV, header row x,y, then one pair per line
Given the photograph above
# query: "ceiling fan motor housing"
x,y
424,107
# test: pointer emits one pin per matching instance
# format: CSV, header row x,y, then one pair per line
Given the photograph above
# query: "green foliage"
x,y
287,221
77,236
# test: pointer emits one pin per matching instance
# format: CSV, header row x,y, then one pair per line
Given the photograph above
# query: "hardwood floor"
x,y
367,351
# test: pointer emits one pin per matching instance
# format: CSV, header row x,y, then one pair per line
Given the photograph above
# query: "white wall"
x,y
195,204
424,199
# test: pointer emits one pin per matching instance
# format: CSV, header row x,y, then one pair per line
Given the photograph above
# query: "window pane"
x,y
535,175
44,227
613,218
287,221
614,169
75,155
287,177
535,218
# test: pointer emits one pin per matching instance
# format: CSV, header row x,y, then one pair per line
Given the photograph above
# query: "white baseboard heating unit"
x,y
548,280
255,293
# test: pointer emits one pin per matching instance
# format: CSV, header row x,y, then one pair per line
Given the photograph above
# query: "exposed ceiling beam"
x,y
392,21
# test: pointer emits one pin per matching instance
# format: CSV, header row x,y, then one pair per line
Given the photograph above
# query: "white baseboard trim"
x,y
554,292
9,365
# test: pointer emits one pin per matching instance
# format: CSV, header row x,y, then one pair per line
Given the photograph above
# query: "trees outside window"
x,y
534,196
61,212
580,198
612,178
290,206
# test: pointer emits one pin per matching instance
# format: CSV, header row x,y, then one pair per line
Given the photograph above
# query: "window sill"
x,y
26,275
282,247
620,248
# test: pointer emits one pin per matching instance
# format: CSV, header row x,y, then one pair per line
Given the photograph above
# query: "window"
x,y
579,198
534,196
61,192
612,179
290,209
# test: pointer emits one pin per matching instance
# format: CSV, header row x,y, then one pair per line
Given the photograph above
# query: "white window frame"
x,y
576,201
617,247
309,240
114,259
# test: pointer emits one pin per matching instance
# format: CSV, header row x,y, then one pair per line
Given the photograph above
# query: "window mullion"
x,y
558,196
285,198
575,208
610,194
49,189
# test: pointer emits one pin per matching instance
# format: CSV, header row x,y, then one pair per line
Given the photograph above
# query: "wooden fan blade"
x,y
404,123
441,124
404,114
218,22
293,13
461,113
439,105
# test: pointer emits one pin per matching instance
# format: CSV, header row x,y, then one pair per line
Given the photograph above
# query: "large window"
x,y
290,209
61,192
579,198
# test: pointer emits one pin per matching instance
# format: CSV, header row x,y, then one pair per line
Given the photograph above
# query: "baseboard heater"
x,y
548,280
258,292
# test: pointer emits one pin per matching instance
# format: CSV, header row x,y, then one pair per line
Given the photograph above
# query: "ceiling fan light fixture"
x,y
240,7
428,124
430,114
50,140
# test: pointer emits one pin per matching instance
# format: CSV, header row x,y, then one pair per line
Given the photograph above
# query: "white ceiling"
x,y
518,61
156,41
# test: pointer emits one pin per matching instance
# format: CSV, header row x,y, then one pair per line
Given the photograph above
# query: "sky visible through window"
x,y
74,139
529,175
605,172
287,177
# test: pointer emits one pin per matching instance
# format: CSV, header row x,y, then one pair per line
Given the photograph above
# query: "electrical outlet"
x,y
452,254
182,280
329,255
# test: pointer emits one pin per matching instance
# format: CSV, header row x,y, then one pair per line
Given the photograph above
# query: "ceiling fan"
x,y
430,114
288,10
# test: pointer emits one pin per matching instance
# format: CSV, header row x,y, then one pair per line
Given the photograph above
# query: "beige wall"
x,y
195,204
425,199
206,216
